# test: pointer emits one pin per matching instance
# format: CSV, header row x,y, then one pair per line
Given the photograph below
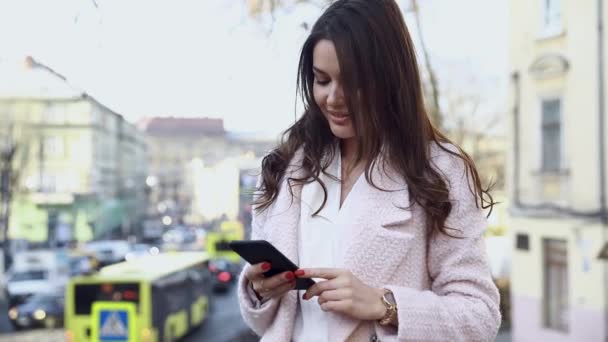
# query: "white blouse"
x,y
320,244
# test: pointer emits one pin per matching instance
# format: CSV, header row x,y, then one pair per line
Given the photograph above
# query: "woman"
x,y
369,200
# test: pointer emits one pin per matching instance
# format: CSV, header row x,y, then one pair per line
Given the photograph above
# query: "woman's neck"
x,y
348,150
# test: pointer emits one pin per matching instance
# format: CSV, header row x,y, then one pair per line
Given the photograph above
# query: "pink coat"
x,y
442,285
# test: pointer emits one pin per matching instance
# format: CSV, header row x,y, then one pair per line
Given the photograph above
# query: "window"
x,y
551,135
49,182
552,17
87,294
555,301
54,113
522,242
53,146
29,275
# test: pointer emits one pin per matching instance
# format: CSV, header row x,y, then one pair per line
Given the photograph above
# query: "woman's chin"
x,y
343,132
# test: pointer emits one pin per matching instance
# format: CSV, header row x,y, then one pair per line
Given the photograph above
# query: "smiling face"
x,y
328,91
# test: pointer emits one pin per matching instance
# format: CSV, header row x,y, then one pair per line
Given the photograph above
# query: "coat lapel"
x,y
375,248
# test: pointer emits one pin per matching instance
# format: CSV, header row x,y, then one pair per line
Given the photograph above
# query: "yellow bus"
x,y
149,299
216,242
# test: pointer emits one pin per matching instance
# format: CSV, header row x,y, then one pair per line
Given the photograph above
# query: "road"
x,y
5,324
224,325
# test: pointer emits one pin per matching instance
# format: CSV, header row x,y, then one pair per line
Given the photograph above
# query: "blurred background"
x,y
131,133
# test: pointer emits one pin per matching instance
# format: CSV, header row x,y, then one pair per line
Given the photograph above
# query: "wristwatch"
x,y
391,307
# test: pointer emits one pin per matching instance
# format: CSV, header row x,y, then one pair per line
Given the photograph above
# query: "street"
x,y
223,325
225,322
5,324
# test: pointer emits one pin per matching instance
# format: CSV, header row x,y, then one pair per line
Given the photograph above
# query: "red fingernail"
x,y
265,266
299,273
289,276
305,297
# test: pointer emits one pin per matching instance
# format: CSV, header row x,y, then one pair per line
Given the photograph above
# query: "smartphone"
x,y
257,251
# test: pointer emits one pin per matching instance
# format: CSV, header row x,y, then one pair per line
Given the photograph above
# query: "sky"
x,y
209,58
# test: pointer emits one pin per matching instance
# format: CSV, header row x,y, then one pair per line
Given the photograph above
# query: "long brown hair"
x,y
377,63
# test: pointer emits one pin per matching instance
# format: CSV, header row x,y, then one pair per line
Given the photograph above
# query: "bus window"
x,y
222,245
86,294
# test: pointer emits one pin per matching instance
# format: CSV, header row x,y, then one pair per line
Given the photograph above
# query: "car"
x,y
141,249
223,273
179,238
36,271
108,252
40,310
82,263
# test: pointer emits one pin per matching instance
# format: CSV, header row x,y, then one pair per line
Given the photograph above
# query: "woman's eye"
x,y
322,82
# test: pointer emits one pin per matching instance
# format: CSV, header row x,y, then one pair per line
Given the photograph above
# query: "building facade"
x,y
557,171
195,168
82,171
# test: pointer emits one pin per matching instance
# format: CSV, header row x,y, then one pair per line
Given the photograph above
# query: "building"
x,y
489,154
557,171
194,168
82,172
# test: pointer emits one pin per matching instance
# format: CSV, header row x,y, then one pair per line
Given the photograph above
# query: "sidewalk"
x,y
5,324
55,335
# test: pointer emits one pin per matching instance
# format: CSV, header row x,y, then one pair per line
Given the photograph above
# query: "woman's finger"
x,y
279,279
266,285
256,271
259,287
320,287
342,306
281,290
335,295
323,273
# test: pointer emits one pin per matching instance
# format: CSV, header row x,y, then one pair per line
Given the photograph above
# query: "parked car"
x,y
223,273
36,271
40,310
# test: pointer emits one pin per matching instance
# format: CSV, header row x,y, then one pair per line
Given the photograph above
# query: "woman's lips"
x,y
339,118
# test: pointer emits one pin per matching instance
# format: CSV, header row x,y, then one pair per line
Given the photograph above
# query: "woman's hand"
x,y
344,293
273,287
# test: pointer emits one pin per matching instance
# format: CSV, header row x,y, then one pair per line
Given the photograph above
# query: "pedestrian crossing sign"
x,y
113,325
113,322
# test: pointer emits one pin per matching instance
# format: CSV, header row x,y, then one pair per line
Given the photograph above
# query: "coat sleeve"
x,y
463,302
256,315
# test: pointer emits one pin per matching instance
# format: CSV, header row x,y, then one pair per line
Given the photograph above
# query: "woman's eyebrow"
x,y
319,71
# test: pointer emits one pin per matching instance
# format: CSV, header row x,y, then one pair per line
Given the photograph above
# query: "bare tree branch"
x,y
435,108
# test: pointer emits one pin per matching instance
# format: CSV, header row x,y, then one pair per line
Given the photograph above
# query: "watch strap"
x,y
391,307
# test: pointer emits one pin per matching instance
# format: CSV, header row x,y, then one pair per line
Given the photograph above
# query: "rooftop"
x,y
171,126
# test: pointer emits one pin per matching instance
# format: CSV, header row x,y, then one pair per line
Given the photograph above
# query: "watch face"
x,y
390,298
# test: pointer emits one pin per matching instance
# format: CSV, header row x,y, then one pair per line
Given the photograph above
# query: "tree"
x,y
13,158
432,84
472,123
7,177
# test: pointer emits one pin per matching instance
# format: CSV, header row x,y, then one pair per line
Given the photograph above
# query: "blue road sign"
x,y
113,325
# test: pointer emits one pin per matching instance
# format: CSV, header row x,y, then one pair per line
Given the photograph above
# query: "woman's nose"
x,y
335,96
